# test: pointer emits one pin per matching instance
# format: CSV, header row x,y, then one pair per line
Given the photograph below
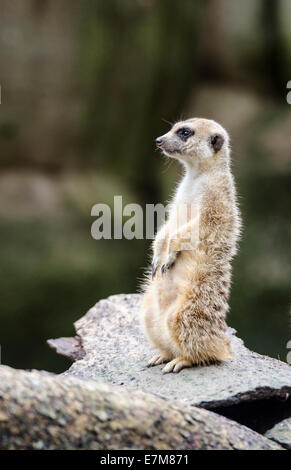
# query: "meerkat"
x,y
185,299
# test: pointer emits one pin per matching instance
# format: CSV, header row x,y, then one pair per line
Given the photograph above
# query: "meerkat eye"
x,y
185,132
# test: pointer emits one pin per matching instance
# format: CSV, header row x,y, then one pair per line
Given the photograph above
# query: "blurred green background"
x,y
86,86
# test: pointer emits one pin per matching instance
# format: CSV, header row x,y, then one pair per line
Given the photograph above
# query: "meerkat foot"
x,y
176,365
158,359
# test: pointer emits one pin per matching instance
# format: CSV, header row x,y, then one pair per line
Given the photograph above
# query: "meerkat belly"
x,y
167,291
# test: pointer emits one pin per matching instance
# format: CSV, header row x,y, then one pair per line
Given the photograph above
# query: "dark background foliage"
x,y
86,86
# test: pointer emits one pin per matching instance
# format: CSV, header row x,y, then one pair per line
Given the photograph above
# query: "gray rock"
x,y
116,351
78,410
39,410
68,347
281,433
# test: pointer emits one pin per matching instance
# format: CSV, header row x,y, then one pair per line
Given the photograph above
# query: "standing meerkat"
x,y
186,299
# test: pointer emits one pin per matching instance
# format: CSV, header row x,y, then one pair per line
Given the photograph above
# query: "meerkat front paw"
x,y
159,359
176,365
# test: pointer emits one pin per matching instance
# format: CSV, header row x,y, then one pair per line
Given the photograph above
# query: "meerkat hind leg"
x,y
159,359
176,365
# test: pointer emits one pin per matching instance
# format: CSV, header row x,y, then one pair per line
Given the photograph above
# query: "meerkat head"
x,y
196,141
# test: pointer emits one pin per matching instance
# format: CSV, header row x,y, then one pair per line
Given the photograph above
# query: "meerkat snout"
x,y
159,141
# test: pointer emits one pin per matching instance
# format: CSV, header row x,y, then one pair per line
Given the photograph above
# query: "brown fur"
x,y
184,307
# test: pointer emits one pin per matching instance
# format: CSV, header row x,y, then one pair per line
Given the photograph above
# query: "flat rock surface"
x,y
281,433
115,350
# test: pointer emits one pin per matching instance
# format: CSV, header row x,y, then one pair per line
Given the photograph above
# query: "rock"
x,y
281,433
77,410
116,351
68,347
39,410
253,390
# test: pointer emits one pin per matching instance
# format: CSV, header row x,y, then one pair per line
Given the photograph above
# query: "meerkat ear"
x,y
217,141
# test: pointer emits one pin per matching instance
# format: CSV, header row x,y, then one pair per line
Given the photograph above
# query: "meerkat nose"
x,y
159,141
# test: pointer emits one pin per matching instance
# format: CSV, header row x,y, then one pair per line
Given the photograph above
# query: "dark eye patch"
x,y
184,133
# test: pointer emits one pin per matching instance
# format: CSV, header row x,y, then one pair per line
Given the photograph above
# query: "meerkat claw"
x,y
154,270
158,359
163,269
176,365
168,265
155,265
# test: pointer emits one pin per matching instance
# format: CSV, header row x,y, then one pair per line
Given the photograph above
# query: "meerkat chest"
x,y
186,204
